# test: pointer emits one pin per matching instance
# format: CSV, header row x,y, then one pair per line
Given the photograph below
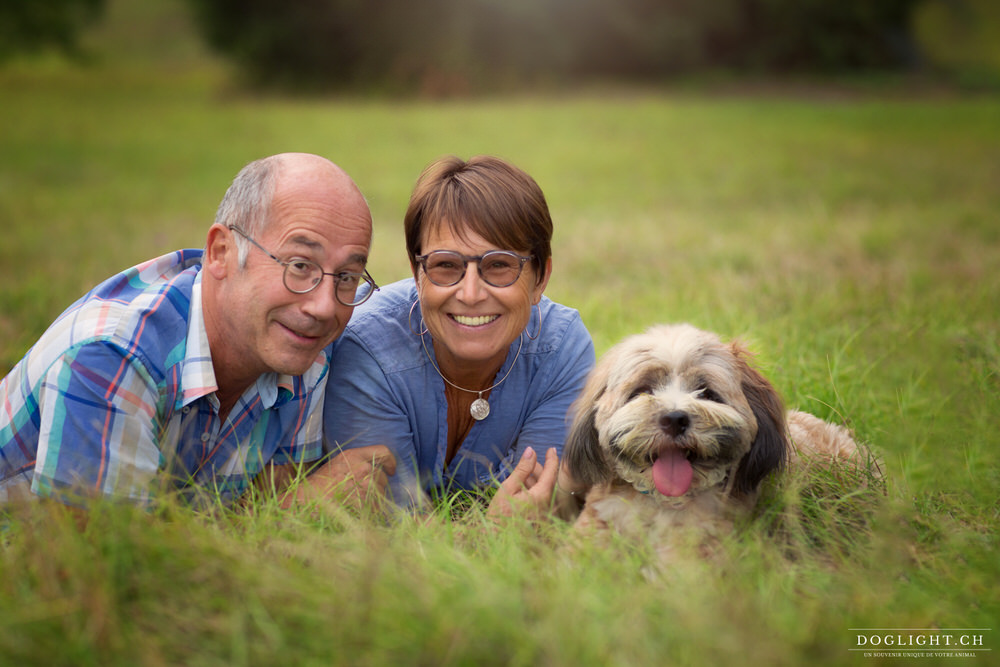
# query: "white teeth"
x,y
475,321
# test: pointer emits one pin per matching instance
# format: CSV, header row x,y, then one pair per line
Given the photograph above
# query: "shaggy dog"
x,y
676,429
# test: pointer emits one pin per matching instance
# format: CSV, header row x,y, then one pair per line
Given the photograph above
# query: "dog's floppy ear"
x,y
769,450
582,454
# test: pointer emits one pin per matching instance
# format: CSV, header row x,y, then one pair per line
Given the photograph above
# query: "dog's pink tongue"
x,y
672,472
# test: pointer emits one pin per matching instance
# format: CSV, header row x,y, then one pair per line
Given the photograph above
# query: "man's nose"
x,y
321,303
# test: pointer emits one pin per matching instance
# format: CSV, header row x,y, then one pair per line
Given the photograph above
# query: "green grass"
x,y
851,239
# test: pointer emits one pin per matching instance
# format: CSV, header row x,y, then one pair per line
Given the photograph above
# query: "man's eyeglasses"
x,y
302,276
499,268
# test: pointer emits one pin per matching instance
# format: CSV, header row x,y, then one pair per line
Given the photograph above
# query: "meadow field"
x,y
850,235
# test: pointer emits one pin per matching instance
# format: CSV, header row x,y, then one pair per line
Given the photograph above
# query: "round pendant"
x,y
480,409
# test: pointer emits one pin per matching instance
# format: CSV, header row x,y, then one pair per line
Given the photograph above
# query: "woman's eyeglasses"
x,y
499,268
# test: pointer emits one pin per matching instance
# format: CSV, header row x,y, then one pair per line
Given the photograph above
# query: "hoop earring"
x,y
409,321
539,332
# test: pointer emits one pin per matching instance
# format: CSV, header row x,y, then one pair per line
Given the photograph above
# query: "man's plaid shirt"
x,y
120,392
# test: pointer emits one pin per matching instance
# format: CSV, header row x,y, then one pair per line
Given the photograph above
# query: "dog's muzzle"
x,y
675,423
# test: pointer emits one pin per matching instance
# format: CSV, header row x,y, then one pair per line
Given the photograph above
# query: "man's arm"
x,y
356,477
97,432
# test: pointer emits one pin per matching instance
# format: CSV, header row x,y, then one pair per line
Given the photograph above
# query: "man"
x,y
201,370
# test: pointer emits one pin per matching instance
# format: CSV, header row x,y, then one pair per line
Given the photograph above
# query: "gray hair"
x,y
247,202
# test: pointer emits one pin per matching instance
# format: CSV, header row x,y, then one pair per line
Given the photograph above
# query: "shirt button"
x,y
205,437
186,409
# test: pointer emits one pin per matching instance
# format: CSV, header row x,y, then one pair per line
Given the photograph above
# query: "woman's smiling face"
x,y
473,323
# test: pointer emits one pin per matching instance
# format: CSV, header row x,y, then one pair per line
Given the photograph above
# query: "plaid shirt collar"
x,y
198,375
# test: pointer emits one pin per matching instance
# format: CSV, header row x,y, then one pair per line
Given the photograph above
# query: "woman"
x,y
467,368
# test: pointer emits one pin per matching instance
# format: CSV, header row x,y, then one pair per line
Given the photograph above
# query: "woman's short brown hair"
x,y
486,196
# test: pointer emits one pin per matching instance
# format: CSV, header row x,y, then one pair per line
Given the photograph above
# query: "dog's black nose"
x,y
675,423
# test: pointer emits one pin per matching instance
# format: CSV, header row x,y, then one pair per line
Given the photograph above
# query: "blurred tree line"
x,y
490,43
28,26
454,46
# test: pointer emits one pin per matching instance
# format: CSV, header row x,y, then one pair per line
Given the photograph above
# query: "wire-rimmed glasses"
x,y
499,268
302,276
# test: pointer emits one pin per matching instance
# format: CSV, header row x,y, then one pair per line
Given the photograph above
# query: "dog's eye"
x,y
707,394
640,390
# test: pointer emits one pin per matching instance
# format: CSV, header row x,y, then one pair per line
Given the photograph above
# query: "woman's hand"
x,y
528,488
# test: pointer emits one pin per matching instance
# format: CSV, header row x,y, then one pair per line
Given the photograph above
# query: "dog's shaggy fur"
x,y
676,429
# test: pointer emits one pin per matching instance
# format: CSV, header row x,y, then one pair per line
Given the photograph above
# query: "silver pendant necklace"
x,y
480,408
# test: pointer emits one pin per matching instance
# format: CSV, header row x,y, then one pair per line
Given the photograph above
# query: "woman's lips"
x,y
474,320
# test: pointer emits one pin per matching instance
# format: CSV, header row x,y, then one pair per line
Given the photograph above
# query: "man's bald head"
x,y
260,185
